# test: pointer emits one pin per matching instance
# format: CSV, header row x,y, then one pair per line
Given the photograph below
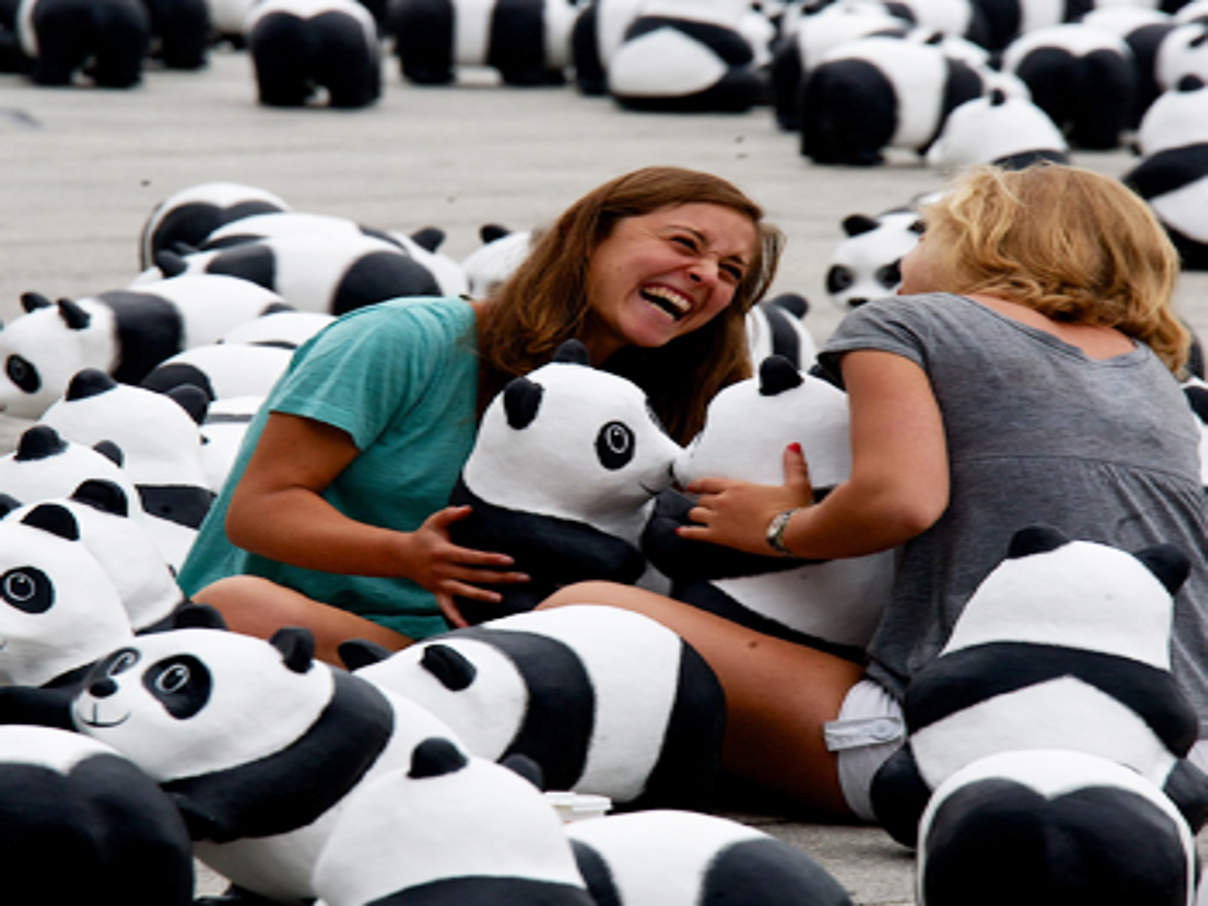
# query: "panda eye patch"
x,y
27,589
181,684
614,445
838,278
22,373
890,275
122,661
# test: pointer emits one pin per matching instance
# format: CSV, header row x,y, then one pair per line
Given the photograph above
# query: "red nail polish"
x,y
795,447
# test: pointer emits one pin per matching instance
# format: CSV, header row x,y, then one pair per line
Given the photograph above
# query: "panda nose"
x,y
102,688
856,302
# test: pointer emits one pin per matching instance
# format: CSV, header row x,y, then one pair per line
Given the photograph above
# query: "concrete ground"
x,y
80,170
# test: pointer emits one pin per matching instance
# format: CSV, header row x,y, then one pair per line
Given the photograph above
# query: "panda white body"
x,y
831,604
1172,175
287,329
865,265
1057,823
562,477
958,18
996,129
222,433
1183,52
700,859
501,252
1065,644
598,31
227,18
474,832
258,744
685,56
192,213
301,46
877,92
122,332
606,701
222,369
526,41
776,327
63,793
61,36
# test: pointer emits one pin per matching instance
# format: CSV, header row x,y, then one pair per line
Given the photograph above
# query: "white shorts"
x,y
867,731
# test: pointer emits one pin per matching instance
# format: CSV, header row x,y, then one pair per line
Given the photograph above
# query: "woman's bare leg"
x,y
778,694
255,606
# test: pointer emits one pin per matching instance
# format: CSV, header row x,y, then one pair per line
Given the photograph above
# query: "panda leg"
x,y
281,57
345,64
899,796
123,37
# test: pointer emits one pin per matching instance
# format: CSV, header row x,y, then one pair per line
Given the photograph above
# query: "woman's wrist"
x,y
774,534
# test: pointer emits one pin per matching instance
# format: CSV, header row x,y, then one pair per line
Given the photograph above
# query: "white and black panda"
x,y
222,370
833,605
681,55
191,214
222,433
775,326
1143,30
301,46
227,18
866,264
1009,19
965,19
562,477
180,32
257,743
108,39
501,252
1172,175
1006,131
472,831
1053,826
1183,52
123,332
1065,644
605,701
700,859
877,92
84,825
1082,76
286,329
526,41
598,31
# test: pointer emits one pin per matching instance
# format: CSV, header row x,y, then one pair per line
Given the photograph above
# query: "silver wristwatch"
x,y
775,533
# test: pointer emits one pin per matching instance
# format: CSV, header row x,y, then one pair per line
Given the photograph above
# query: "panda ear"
x,y
572,352
73,315
1197,398
8,503
856,224
197,616
169,263
105,496
88,382
32,301
1035,539
998,97
53,518
110,451
357,653
450,667
1168,563
519,763
435,757
297,647
794,303
429,238
521,400
489,232
192,399
39,442
777,374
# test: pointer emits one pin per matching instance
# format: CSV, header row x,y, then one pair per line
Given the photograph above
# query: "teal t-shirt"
x,y
401,379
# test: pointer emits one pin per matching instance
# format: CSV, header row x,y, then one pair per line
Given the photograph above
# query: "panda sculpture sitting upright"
x,y
866,263
1007,132
598,31
501,252
180,32
776,326
108,39
1065,644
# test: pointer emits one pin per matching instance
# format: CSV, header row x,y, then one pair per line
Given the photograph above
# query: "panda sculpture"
x,y
829,604
1143,30
501,252
474,832
123,332
605,701
84,825
1053,826
222,370
562,477
1007,20
1083,77
776,327
222,432
1172,175
866,264
680,55
301,46
227,18
700,859
258,744
107,39
284,329
1065,644
877,92
1007,132
180,32
526,41
965,19
598,31
1183,52
1195,391
192,213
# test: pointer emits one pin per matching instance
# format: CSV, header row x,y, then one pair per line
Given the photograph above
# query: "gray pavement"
x,y
81,168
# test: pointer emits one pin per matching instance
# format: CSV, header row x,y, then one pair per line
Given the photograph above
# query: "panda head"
x,y
1176,118
191,701
866,265
571,441
993,127
1052,590
501,252
465,821
46,465
748,424
1182,52
1052,824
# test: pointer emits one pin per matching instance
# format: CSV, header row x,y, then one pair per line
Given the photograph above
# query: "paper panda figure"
x,y
1143,30
284,329
959,18
701,859
222,433
84,825
180,32
1009,19
866,265
526,41
1172,175
108,39
122,332
606,701
1083,77
472,831
598,31
1008,132
1195,390
877,92
191,214
775,327
830,604
680,55
562,477
1183,52
227,18
301,46
257,743
222,369
501,252
1053,826
1065,644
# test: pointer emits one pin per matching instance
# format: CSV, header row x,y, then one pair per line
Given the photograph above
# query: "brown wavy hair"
x,y
544,302
1070,243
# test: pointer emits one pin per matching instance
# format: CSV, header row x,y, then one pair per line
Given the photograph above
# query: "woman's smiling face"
x,y
660,275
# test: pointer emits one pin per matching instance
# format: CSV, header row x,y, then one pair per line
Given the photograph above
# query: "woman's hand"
x,y
736,513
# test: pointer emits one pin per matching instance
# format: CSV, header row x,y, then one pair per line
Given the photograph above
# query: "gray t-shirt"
x,y
1037,432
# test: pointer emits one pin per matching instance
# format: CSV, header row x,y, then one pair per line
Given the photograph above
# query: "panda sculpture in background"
x,y
62,39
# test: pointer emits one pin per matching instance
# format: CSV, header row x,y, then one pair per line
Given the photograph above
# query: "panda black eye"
x,y
22,373
890,275
182,684
28,589
173,679
614,445
122,662
838,278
